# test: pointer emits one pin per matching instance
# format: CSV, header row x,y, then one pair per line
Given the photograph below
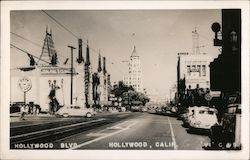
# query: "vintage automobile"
x,y
187,115
122,109
174,110
135,108
151,110
158,110
203,118
74,110
144,109
166,110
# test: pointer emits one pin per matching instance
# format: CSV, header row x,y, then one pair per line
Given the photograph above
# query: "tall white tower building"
x,y
194,67
134,77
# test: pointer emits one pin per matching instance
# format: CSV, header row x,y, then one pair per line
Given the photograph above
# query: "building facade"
x,y
226,69
134,77
195,69
49,82
102,88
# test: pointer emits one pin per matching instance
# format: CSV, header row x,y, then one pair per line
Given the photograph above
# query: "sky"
x,y
157,34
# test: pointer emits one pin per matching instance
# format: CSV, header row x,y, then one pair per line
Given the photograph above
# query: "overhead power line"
x,y
34,43
42,59
26,39
12,45
60,24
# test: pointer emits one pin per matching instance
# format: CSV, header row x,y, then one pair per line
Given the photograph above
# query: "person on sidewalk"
x,y
23,111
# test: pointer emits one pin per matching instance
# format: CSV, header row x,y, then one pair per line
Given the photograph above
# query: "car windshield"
x,y
202,111
210,112
206,112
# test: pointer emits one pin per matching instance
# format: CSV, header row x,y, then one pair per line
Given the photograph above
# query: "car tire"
x,y
88,115
65,115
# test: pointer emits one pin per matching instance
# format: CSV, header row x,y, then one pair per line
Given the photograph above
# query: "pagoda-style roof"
x,y
49,53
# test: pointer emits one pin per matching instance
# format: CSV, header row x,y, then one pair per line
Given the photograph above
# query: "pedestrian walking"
x,y
23,111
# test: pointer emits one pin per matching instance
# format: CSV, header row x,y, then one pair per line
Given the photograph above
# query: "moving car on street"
x,y
203,118
74,110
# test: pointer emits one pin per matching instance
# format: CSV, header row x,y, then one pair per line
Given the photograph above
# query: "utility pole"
x,y
71,73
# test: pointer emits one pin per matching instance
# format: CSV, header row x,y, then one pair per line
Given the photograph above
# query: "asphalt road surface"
x,y
113,131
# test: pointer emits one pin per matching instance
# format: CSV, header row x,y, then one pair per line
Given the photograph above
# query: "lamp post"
x,y
71,74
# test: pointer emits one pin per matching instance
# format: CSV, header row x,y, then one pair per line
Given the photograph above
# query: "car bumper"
x,y
200,128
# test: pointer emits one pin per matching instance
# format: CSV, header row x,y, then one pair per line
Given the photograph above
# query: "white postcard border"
x,y
6,153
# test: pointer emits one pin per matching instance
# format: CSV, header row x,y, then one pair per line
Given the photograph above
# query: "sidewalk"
x,y
15,117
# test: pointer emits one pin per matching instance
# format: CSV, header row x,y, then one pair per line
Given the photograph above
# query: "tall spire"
x,y
87,55
99,69
49,53
104,65
196,46
134,53
80,58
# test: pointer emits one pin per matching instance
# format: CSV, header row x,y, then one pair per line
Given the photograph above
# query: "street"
x,y
122,130
124,78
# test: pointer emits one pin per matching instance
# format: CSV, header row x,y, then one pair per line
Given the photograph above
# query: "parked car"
x,y
151,110
74,110
15,108
135,108
166,110
158,110
174,110
144,109
187,115
122,109
203,118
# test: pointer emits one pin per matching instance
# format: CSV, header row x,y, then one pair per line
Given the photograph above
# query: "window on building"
x,y
193,68
203,70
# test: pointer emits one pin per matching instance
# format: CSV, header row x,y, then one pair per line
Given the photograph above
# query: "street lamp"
x,y
216,28
71,74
